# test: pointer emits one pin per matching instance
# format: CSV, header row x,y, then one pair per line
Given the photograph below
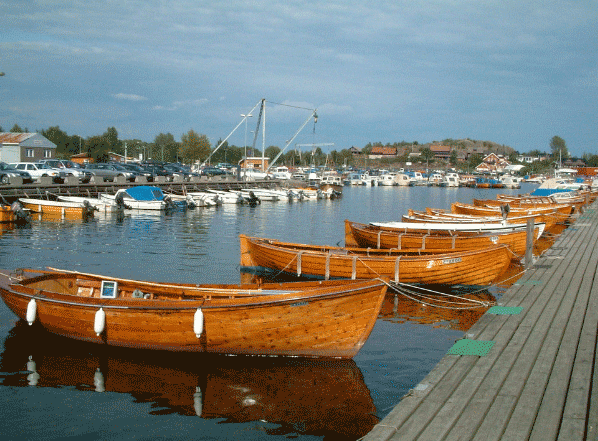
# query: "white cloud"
x,y
176,105
129,97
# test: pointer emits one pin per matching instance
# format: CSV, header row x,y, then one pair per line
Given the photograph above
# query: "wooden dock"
x,y
526,370
10,193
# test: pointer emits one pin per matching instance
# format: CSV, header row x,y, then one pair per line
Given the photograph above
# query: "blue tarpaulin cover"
x,y
146,193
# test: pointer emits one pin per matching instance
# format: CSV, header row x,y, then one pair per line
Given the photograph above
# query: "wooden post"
x,y
529,243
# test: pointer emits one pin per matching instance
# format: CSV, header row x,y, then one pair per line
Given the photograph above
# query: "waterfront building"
x,y
25,147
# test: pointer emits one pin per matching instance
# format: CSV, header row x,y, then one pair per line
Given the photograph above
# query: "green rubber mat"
x,y
471,347
505,310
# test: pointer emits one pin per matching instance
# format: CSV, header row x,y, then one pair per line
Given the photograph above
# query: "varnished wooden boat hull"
x,y
549,216
330,320
61,209
565,209
478,267
6,214
364,236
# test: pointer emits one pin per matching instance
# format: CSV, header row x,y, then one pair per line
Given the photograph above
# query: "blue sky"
x,y
516,73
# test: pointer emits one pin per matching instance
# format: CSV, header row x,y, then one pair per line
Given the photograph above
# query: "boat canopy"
x,y
145,193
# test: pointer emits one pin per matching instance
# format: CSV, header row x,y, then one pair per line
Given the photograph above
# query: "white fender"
x,y
100,321
197,401
31,365
98,381
198,323
33,376
31,311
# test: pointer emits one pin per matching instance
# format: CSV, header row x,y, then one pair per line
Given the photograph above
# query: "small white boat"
x,y
205,199
387,180
143,197
450,180
402,180
229,197
262,194
354,179
100,205
511,181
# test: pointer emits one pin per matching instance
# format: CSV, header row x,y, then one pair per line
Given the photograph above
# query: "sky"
x,y
513,72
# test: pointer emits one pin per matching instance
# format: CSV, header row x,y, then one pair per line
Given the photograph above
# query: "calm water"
x,y
52,388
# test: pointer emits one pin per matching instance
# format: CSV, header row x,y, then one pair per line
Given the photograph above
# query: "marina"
x,y
200,392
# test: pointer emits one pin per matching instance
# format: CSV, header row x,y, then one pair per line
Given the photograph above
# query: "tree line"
x,y
195,147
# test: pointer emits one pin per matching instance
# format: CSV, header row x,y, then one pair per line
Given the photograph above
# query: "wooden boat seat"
x,y
91,288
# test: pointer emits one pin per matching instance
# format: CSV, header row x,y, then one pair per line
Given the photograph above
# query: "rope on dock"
x,y
460,303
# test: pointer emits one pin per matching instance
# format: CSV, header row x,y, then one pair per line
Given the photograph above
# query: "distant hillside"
x,y
473,146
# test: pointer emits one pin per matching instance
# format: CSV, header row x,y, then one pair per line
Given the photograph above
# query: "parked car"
x,y
157,170
180,170
138,169
129,174
39,170
106,171
212,171
70,168
7,173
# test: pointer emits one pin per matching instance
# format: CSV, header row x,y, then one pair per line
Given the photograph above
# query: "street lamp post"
x,y
249,115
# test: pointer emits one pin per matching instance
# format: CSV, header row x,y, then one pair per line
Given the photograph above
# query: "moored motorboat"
x,y
72,210
14,213
472,267
143,197
331,183
310,319
101,205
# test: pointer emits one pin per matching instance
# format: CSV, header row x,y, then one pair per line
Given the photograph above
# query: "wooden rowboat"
x,y
447,217
310,319
563,208
364,236
550,216
474,267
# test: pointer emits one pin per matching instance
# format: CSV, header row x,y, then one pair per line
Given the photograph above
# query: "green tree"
x,y
292,158
194,147
97,147
66,146
453,157
474,160
271,152
558,147
427,155
16,129
166,148
590,160
111,137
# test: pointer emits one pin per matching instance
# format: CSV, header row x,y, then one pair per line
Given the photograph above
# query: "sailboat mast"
x,y
264,139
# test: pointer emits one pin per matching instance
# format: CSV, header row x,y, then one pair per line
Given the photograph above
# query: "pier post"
x,y
529,243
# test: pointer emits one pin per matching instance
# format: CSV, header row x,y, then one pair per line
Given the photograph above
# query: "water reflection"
x,y
457,311
320,397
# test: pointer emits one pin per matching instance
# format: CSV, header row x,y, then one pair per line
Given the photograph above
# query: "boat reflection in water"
x,y
308,396
449,307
